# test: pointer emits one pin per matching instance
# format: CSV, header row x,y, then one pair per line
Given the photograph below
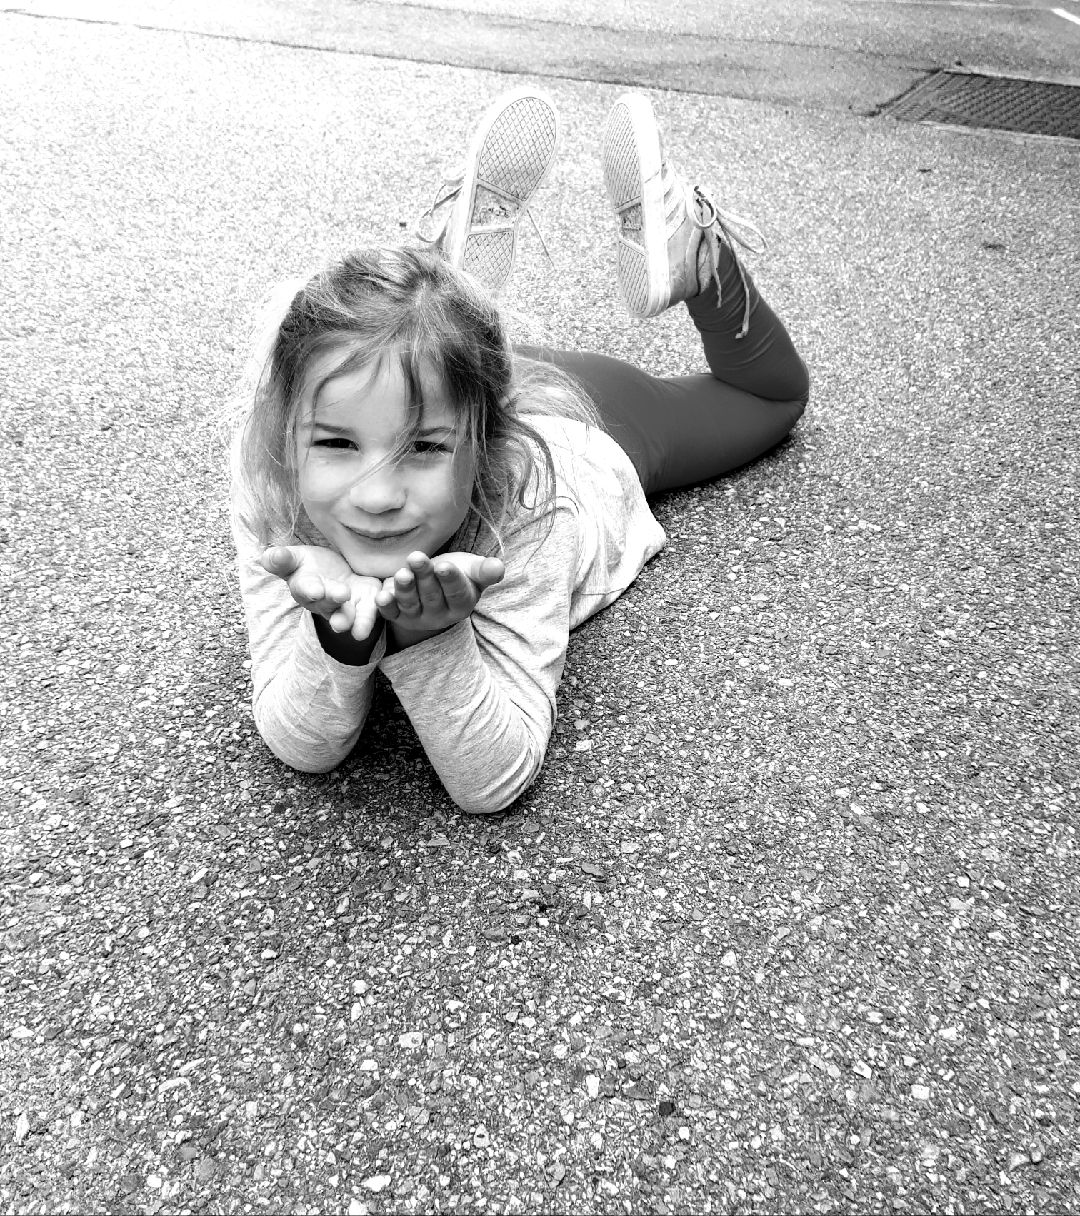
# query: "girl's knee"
x,y
800,384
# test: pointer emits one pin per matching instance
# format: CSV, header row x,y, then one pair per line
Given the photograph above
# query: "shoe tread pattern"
x,y
510,167
622,179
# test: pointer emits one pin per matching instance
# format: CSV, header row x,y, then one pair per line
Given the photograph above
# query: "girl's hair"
x,y
412,306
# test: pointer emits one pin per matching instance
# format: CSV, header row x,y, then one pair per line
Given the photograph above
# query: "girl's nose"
x,y
377,491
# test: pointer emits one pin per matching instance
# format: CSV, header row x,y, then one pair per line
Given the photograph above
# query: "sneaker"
x,y
670,234
474,218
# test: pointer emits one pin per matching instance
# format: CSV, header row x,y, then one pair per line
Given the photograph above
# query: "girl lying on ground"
x,y
412,493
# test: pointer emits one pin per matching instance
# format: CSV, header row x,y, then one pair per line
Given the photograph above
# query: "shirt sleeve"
x,y
481,695
308,707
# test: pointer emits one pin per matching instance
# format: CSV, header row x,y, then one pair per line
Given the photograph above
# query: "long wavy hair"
x,y
381,304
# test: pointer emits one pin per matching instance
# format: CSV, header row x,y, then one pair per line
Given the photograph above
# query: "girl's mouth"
x,y
381,538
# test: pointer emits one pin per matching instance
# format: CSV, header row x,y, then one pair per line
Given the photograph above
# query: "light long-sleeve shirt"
x,y
482,694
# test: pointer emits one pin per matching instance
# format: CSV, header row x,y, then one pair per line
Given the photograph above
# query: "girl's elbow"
x,y
313,767
302,763
499,794
291,749
483,803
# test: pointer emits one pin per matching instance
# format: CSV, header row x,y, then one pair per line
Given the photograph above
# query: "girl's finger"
x,y
457,590
278,560
428,587
484,571
405,592
342,620
364,618
491,571
386,603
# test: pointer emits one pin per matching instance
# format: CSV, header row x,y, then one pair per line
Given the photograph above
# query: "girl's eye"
x,y
427,447
420,447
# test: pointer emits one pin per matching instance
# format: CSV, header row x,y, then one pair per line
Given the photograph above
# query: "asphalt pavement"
x,y
789,921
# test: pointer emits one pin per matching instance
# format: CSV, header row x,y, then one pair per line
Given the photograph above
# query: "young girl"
x,y
412,494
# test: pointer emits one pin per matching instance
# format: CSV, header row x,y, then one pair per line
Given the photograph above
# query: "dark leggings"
x,y
681,430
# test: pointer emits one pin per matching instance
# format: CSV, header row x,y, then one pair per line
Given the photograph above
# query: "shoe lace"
x,y
726,228
438,213
443,202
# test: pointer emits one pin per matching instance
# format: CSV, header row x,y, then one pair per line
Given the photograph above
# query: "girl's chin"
x,y
377,565
383,559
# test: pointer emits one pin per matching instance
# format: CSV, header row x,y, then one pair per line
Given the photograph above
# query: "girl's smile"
x,y
381,537
374,502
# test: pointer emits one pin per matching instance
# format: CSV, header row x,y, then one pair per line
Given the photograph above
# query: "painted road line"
x,y
1067,15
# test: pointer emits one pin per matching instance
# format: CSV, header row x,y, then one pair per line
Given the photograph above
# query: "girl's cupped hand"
x,y
428,596
324,583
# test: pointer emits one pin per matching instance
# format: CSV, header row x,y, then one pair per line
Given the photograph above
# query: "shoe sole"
x,y
632,161
510,153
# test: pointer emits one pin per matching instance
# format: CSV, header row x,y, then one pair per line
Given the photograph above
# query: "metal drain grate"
x,y
1001,103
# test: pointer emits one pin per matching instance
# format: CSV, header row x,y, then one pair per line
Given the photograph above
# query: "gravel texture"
x,y
789,922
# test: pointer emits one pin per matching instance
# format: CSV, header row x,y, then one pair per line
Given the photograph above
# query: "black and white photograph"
x,y
540,565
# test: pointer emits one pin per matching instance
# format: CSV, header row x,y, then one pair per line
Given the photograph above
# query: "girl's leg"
x,y
674,244
680,430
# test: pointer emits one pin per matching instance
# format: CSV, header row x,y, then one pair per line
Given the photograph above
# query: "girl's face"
x,y
373,510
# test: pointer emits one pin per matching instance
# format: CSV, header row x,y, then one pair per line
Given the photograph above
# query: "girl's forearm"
x,y
309,721
309,707
486,748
